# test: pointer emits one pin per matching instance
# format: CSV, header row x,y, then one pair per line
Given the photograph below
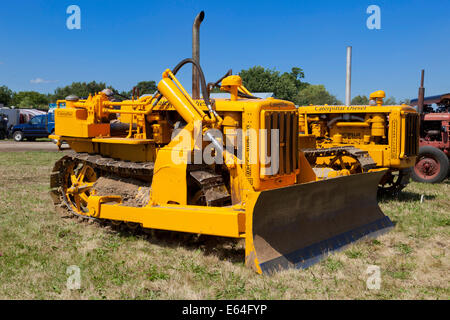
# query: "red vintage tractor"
x,y
432,164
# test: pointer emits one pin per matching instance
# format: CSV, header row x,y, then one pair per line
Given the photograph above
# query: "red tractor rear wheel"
x,y
431,165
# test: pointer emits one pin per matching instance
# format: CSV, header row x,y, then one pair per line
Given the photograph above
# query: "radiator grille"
x,y
411,138
287,124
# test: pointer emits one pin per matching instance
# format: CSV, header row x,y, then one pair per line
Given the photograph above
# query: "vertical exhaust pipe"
x,y
421,97
348,78
196,54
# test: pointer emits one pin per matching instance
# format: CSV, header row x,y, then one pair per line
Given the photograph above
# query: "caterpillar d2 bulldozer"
x,y
360,139
228,167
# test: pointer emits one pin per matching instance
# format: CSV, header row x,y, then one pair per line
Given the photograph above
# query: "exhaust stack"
x,y
421,96
196,54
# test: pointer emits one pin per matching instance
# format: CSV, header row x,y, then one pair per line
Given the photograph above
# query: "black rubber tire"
x,y
18,136
440,157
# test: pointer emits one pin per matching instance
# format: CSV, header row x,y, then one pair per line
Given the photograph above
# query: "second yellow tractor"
x,y
361,138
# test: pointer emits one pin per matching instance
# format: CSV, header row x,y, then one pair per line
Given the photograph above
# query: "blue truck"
x,y
39,126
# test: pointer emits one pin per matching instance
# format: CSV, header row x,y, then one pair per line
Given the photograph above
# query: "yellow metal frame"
x,y
217,221
85,126
390,155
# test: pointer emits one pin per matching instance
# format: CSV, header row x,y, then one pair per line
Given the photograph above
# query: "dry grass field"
x,y
37,245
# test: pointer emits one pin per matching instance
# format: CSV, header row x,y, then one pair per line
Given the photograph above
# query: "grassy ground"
x,y
37,245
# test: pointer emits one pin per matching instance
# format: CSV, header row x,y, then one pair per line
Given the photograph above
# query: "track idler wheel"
x,y
78,180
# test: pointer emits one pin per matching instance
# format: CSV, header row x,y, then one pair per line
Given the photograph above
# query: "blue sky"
x,y
123,42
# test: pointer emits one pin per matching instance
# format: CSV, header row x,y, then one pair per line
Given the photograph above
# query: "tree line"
x,y
291,86
287,86
33,99
364,100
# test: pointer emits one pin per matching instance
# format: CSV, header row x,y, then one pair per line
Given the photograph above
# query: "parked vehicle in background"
x,y
432,164
3,126
39,126
18,116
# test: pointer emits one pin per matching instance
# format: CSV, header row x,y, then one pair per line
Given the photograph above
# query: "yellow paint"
x,y
378,96
169,178
147,126
232,84
225,222
385,144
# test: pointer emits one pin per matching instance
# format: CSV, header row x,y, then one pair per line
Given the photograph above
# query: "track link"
x,y
363,157
391,184
210,185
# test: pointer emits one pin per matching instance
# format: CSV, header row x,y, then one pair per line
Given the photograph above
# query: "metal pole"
x,y
348,79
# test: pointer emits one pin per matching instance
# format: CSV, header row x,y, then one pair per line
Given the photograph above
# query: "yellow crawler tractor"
x,y
227,168
360,139
224,167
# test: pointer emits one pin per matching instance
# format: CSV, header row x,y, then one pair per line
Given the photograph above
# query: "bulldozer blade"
x,y
297,226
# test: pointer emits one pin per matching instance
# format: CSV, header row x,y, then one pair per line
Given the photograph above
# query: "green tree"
x,y
390,101
360,101
80,89
284,86
146,87
258,79
30,99
5,95
315,94
296,75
